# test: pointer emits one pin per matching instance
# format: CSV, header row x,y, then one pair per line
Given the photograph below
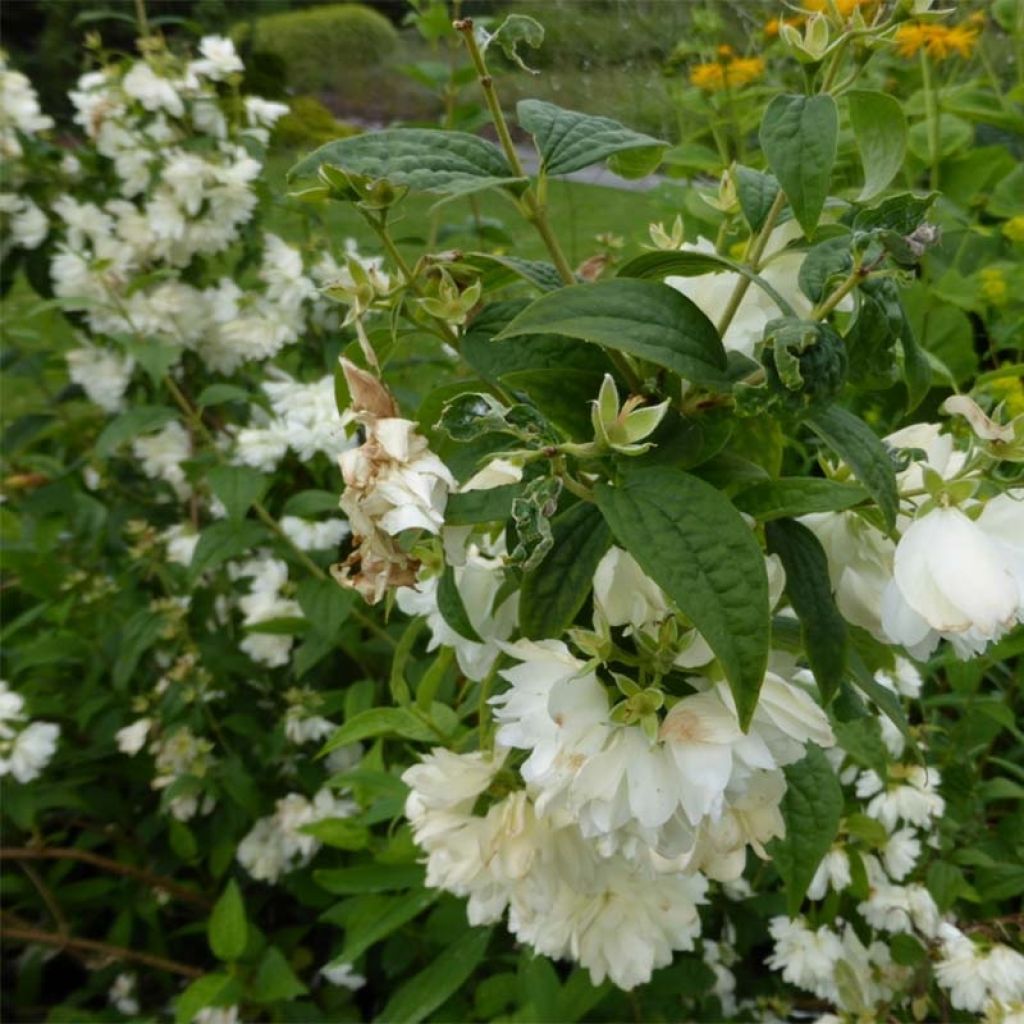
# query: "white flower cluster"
x,y
276,844
25,747
182,755
980,977
265,602
956,572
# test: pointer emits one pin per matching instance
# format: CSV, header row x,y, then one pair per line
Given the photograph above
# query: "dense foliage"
x,y
452,634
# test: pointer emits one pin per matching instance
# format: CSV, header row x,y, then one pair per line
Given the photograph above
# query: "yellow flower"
x,y
938,41
1014,228
713,76
993,285
844,7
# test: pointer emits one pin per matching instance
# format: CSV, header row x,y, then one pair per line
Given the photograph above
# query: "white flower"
x,y
132,738
497,473
30,752
153,92
181,541
344,975
161,456
959,970
806,958
102,376
122,996
314,536
217,1015
904,680
833,873
900,853
1003,972
898,908
303,728
950,580
219,59
911,795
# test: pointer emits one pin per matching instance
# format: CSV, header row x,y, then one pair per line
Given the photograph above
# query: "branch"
x,y
155,881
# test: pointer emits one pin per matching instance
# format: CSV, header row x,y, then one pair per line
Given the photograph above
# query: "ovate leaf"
x,y
880,128
452,607
810,593
227,929
381,722
789,497
798,136
221,541
811,808
644,318
569,141
554,592
325,604
238,487
691,541
275,980
860,448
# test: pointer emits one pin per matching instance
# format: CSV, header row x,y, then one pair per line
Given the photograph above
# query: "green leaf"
x,y
756,192
340,833
381,722
326,605
516,29
310,504
452,608
143,419
917,370
563,396
369,878
810,592
542,275
209,990
275,980
693,543
238,487
423,993
644,318
397,684
569,141
399,911
886,700
226,929
861,738
789,497
880,128
858,445
221,541
218,394
946,883
553,593
798,136
811,808
487,506
440,162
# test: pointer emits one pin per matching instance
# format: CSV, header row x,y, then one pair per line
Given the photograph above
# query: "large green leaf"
x,y
798,136
811,807
881,132
810,593
369,878
227,929
381,722
858,445
221,541
423,993
569,141
445,163
644,318
563,396
325,604
554,592
238,487
690,540
797,496
398,911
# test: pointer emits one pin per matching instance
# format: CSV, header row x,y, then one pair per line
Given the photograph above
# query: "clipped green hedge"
x,y
321,44
309,124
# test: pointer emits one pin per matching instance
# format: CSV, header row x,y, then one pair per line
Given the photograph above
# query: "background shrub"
x,y
319,45
309,124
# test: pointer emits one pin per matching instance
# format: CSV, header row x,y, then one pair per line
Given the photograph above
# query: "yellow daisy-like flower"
x,y
844,7
714,76
938,41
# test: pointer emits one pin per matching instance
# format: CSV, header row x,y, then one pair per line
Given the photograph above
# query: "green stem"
x,y
828,304
141,19
754,256
931,108
535,211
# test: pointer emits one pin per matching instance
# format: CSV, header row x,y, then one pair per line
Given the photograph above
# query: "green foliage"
x,y
309,123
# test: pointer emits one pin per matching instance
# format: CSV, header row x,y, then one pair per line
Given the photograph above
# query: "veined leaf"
x,y
569,141
812,807
880,128
238,487
789,497
693,543
858,445
644,318
554,592
810,592
444,163
381,722
798,136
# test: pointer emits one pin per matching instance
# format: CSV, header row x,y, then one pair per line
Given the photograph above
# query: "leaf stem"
x,y
754,254
536,213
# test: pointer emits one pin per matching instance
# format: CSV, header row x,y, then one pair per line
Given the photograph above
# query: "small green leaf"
x,y
369,878
326,605
441,162
398,912
227,929
143,419
858,445
810,593
553,593
381,722
275,980
341,833
569,141
811,808
218,394
221,541
514,30
799,136
423,993
209,990
238,487
452,608
691,541
862,740
644,318
756,192
789,497
880,128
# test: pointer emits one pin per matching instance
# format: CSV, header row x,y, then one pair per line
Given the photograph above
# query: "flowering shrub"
x,y
475,636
